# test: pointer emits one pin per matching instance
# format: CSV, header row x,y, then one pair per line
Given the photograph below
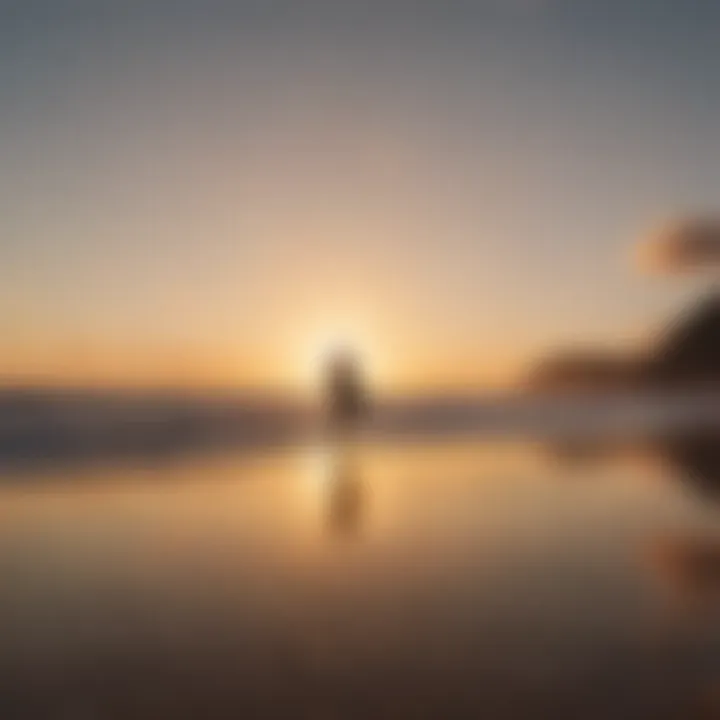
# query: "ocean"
x,y
405,574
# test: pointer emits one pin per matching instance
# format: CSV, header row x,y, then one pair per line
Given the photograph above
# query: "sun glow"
x,y
324,344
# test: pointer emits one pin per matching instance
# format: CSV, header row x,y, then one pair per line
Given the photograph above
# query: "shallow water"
x,y
443,580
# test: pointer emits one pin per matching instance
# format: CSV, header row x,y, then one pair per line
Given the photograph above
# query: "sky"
x,y
211,193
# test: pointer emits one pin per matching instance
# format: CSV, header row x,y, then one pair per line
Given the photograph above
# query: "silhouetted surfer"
x,y
346,400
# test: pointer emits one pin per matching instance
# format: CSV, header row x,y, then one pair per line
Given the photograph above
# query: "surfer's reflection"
x,y
345,497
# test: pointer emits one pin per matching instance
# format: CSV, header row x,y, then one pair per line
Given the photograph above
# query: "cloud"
x,y
681,246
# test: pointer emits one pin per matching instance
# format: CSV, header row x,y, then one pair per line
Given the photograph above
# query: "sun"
x,y
319,351
324,345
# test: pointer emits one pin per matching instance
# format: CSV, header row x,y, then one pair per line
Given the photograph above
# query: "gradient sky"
x,y
195,191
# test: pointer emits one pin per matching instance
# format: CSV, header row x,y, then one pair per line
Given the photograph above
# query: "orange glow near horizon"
x,y
297,370
400,351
